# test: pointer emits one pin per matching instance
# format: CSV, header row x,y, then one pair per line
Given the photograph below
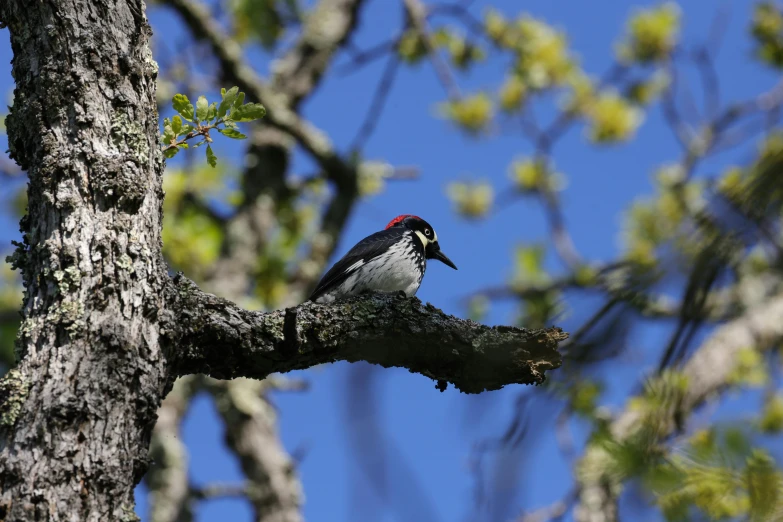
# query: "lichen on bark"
x,y
13,392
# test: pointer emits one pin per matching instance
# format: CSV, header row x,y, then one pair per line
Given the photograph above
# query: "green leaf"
x,y
170,153
240,100
183,145
199,144
176,124
233,134
248,112
212,111
183,106
186,129
211,158
168,133
202,108
222,92
228,100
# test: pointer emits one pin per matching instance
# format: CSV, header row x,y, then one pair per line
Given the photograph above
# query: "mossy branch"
x,y
215,337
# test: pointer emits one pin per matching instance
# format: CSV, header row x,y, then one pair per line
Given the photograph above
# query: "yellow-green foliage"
x,y
529,265
542,55
584,395
530,175
536,309
652,222
750,369
580,93
512,94
471,113
295,224
261,19
644,92
10,300
411,47
772,416
191,237
612,118
471,199
660,401
462,52
767,29
651,34
721,476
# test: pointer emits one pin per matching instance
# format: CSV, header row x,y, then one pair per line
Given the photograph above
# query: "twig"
x,y
418,16
361,58
376,107
553,512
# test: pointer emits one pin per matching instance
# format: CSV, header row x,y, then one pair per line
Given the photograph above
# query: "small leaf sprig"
x,y
206,117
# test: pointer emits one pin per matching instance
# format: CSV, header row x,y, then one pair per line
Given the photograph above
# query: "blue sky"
x,y
428,436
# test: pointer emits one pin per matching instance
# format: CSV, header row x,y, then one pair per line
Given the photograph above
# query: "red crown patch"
x,y
398,219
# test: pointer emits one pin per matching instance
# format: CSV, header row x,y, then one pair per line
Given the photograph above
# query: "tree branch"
x,y
708,372
251,432
167,478
216,337
418,16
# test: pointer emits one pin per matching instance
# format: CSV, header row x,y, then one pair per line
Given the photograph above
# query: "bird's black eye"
x,y
427,232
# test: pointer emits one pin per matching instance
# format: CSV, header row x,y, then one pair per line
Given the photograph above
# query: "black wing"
x,y
366,249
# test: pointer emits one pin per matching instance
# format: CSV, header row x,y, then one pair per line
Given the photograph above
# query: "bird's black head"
x,y
426,235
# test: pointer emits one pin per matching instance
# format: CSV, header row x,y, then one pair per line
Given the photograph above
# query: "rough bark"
x,y
708,372
215,336
78,410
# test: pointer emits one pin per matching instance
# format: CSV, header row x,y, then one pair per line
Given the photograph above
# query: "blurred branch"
x,y
418,16
327,27
708,371
214,336
212,491
378,102
610,279
167,479
361,58
553,512
251,433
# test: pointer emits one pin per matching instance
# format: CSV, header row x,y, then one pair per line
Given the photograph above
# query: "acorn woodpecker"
x,y
389,261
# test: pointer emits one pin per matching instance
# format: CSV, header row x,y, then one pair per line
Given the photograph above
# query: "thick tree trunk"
x,y
78,410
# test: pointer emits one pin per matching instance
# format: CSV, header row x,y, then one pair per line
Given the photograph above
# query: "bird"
x,y
390,261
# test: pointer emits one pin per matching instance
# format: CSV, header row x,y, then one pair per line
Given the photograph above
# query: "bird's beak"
x,y
440,256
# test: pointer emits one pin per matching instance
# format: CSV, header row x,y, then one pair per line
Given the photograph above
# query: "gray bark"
x,y
78,410
105,331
